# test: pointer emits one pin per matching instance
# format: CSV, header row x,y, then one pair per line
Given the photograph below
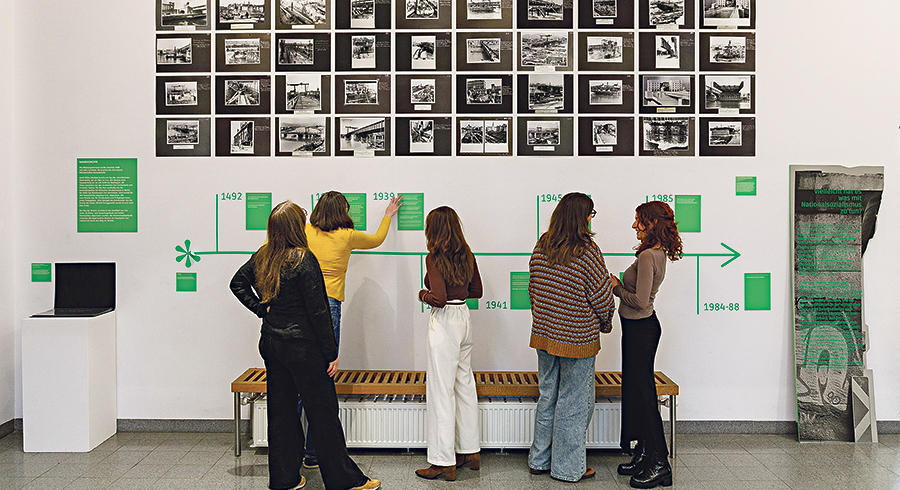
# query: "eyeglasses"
x,y
593,213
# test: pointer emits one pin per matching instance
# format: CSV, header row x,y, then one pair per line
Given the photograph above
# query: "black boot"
x,y
638,461
657,472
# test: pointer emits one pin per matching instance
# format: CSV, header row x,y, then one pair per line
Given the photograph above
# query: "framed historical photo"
x,y
606,94
728,14
605,51
545,50
183,137
548,136
243,14
367,51
544,14
362,14
666,14
546,93
362,136
484,94
303,93
666,51
667,94
301,136
727,136
302,14
423,14
727,51
243,52
243,137
484,14
728,94
429,135
483,136
606,136
302,51
182,15
183,52
424,51
186,94
243,94
606,14
361,94
419,94
666,136
484,51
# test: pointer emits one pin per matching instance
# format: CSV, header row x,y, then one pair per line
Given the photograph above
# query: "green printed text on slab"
x,y
40,272
107,195
758,291
518,291
259,205
745,186
357,201
411,216
687,213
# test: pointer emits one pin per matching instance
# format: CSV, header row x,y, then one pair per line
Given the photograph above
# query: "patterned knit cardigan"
x,y
570,304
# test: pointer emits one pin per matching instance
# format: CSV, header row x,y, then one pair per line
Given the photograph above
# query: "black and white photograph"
x,y
363,54
303,51
179,13
174,51
303,92
604,9
422,9
483,9
544,49
183,53
181,93
545,9
604,133
666,91
483,50
242,93
471,136
184,94
362,134
241,135
729,13
360,92
667,52
242,51
303,12
667,12
605,92
421,91
362,14
242,11
724,133
421,136
727,93
496,135
295,51
728,49
727,136
302,134
546,92
422,54
543,133
665,133
183,137
182,132
484,91
604,49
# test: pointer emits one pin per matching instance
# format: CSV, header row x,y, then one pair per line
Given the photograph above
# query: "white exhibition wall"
x,y
84,88
8,319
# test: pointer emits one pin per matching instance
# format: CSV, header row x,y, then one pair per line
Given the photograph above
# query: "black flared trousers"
x,y
641,420
293,367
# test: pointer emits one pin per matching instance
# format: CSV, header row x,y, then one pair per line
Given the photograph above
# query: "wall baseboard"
x,y
7,428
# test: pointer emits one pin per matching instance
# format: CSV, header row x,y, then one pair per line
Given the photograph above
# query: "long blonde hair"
x,y
286,232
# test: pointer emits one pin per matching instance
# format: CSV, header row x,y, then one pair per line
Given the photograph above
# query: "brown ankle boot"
x,y
473,459
435,471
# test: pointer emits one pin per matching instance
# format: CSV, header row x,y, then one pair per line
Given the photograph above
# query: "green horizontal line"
x,y
232,252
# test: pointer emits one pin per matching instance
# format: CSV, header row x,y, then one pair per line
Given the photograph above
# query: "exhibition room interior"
x,y
157,137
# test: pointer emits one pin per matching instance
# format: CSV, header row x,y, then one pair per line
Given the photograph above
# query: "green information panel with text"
x,y
687,213
107,195
186,281
357,202
411,216
259,206
757,291
40,272
518,291
745,186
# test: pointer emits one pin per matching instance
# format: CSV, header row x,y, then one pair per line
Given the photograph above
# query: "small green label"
x,y
472,303
518,291
259,206
745,186
40,272
758,291
687,213
411,216
357,201
186,281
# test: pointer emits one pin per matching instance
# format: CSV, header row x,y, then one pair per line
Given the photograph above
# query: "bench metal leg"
x,y
237,425
672,419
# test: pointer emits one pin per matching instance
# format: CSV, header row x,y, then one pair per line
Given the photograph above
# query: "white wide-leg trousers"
x,y
450,397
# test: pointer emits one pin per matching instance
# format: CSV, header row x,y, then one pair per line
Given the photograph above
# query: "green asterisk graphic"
x,y
186,254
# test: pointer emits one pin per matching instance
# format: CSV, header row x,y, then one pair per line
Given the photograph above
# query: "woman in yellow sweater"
x,y
331,238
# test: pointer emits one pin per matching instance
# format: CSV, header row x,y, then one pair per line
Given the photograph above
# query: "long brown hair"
x,y
569,234
286,232
447,246
331,212
660,228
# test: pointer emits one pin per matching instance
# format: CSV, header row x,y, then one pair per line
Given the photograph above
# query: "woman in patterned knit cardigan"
x,y
571,303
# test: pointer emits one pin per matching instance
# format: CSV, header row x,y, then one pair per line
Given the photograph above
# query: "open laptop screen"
x,y
85,285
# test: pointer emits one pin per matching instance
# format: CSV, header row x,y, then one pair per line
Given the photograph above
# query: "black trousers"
x,y
297,367
641,420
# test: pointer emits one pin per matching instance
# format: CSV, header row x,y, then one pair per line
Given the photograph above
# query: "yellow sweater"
x,y
332,249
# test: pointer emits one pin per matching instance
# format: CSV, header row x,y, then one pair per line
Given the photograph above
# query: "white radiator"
x,y
399,421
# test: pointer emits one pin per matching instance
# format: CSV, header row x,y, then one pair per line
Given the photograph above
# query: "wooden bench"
x,y
487,383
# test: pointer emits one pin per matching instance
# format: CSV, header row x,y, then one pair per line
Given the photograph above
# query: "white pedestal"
x,y
68,383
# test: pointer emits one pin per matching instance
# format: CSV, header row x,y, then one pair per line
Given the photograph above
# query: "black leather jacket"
x,y
300,311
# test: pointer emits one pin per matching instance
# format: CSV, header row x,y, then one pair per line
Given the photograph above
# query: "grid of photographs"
x,y
455,78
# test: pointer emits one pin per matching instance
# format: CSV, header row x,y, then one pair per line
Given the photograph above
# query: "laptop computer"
x,y
83,289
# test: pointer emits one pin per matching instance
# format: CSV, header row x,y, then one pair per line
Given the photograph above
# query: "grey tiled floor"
x,y
141,460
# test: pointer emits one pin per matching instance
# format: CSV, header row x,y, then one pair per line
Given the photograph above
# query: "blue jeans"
x,y
564,411
335,306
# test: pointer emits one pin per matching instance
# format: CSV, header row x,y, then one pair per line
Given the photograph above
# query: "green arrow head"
x,y
734,257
